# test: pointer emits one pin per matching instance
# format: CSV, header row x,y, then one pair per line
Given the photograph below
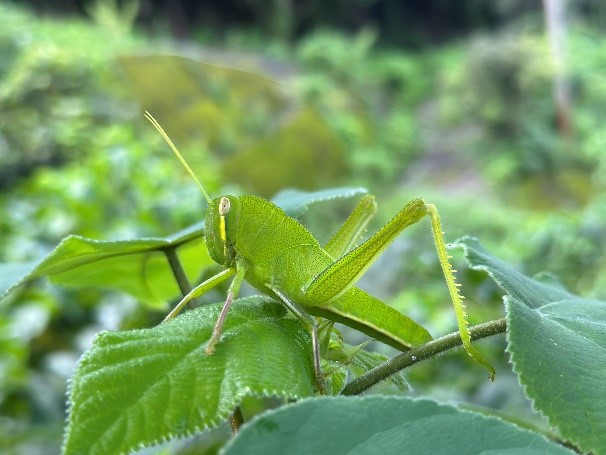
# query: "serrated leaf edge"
x,y
507,299
221,417
222,413
36,264
514,366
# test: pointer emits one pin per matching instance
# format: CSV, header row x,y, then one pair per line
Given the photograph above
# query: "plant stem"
x,y
236,420
179,273
420,353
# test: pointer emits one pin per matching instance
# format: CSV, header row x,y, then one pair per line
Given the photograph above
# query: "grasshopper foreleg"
x,y
200,290
214,339
232,292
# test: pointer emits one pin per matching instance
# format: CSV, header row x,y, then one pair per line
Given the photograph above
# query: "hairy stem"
x,y
420,353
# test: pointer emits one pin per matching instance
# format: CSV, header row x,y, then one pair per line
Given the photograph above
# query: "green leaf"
x,y
559,354
295,203
557,344
383,425
534,293
140,387
303,152
11,275
138,267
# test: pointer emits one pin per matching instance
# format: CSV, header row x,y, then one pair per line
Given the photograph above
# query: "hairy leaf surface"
x,y
385,425
557,343
140,387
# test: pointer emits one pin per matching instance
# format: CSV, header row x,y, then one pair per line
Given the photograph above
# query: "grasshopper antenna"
x,y
154,122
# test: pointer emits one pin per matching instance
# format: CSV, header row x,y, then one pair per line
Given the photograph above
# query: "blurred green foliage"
x,y
263,138
470,127
503,85
369,98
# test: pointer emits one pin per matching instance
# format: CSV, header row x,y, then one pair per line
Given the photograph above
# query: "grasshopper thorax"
x,y
220,230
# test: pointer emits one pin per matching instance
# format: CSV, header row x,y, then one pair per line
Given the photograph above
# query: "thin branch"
x,y
236,420
179,273
420,353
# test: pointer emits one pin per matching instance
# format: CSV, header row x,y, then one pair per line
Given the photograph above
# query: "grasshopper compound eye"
x,y
224,206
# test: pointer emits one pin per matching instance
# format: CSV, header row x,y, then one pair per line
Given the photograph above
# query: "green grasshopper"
x,y
258,242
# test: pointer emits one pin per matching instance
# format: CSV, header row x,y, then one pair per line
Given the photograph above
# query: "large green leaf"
x,y
140,387
383,425
557,344
534,293
140,267
303,153
196,101
262,134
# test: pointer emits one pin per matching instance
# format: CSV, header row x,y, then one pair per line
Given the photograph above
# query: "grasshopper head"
x,y
220,231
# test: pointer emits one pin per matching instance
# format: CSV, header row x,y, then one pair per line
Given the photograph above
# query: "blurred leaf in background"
x,y
503,84
264,138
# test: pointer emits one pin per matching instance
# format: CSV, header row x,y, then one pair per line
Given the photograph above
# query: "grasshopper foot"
x,y
210,347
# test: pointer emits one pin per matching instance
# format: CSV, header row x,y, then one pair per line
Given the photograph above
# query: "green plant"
x,y
44,328
140,387
502,86
368,96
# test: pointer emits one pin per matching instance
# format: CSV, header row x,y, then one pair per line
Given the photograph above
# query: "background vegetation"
x,y
455,106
